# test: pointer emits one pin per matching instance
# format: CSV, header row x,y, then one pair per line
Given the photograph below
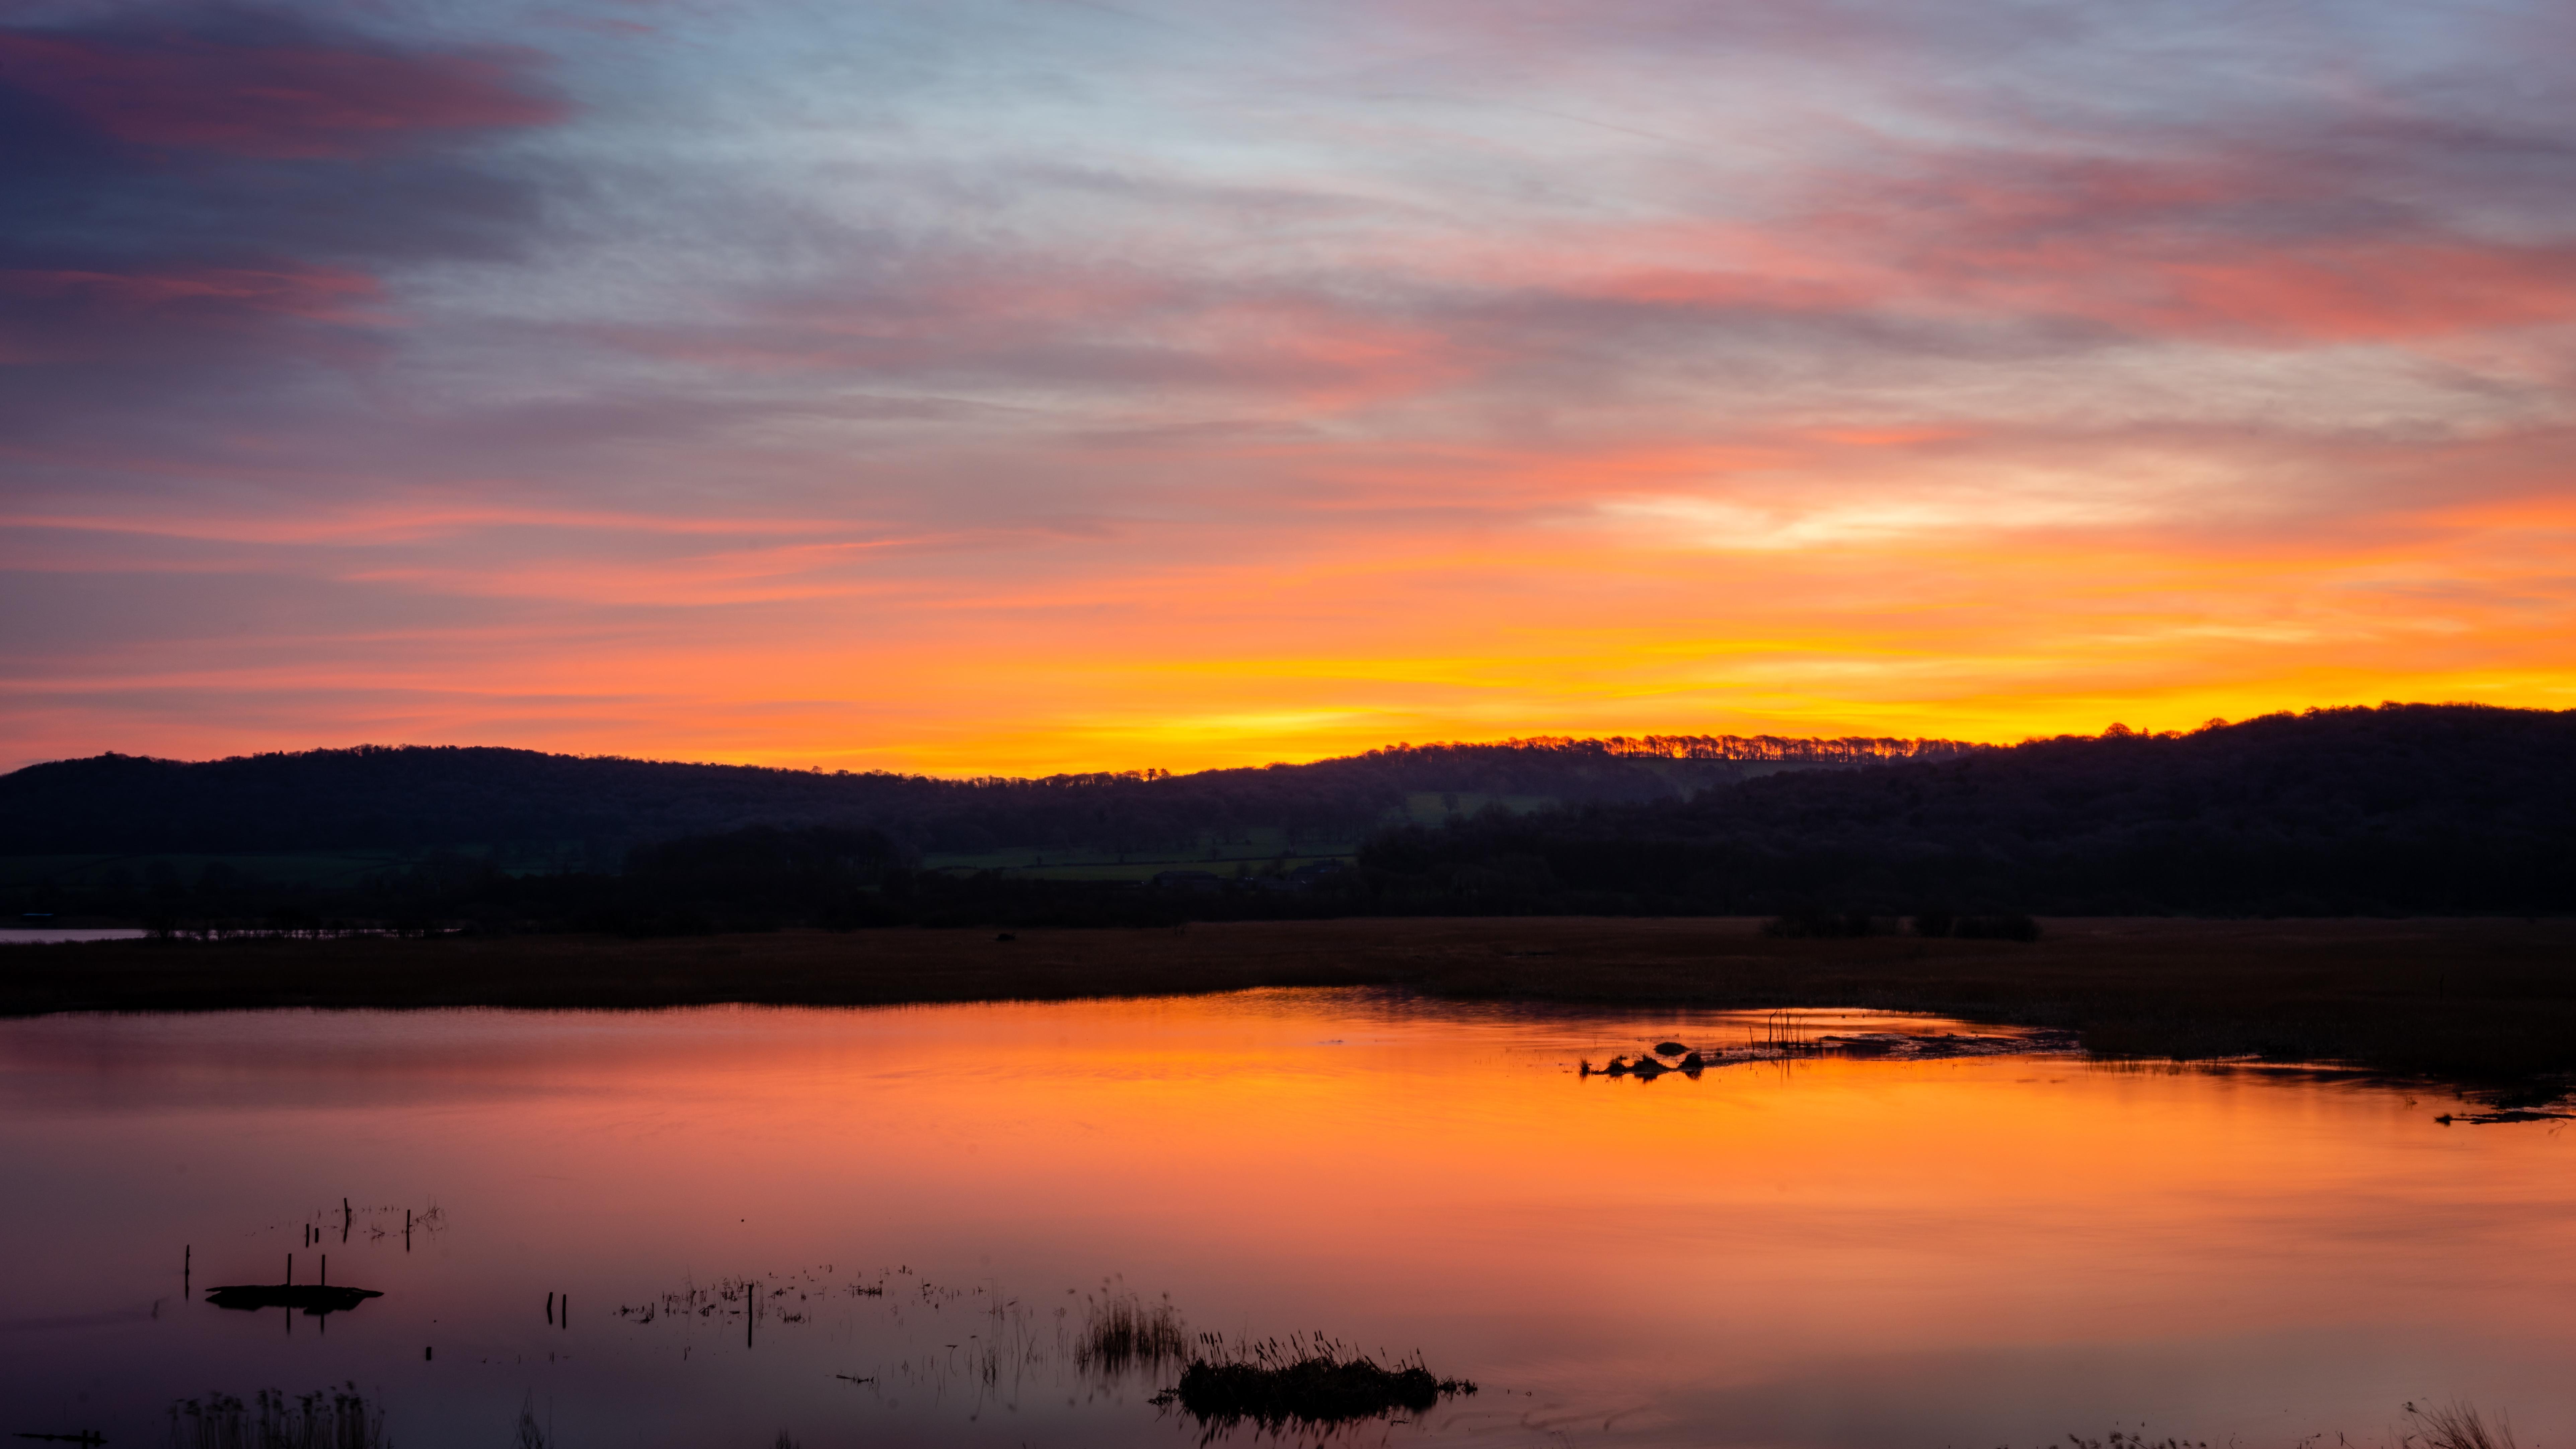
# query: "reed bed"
x,y
1303,1381
338,1418
2456,1425
1124,1332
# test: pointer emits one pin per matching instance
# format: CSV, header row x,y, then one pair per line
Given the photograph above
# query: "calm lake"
x,y
930,1202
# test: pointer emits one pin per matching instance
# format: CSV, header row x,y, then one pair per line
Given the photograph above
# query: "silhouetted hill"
x,y
413,798
2433,809
2404,809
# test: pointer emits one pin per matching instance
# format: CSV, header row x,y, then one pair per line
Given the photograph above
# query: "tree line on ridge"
x,y
2402,809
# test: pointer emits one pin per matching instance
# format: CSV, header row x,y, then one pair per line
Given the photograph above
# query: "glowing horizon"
x,y
1018,388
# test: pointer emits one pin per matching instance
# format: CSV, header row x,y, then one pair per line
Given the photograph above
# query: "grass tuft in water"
x,y
1303,1381
327,1419
2457,1425
2119,1440
1125,1332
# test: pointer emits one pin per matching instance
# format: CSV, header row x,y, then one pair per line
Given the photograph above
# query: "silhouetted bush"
x,y
1303,1383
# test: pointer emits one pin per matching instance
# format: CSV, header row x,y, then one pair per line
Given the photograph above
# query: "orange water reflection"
x,y
1839,1252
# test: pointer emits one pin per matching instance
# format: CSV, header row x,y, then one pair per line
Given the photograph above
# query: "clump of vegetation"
x,y
2118,1440
1303,1381
1125,1332
326,1419
2456,1425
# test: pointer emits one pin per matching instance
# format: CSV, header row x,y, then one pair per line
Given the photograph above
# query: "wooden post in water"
x,y
325,1279
550,1310
187,1265
290,1270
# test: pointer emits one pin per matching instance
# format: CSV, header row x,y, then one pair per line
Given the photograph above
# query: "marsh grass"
x,y
1303,1381
2118,1440
1125,1332
2456,1425
337,1418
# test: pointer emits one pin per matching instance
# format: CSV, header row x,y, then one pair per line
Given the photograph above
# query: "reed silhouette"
x,y
1124,1332
2456,1425
338,1418
1302,1381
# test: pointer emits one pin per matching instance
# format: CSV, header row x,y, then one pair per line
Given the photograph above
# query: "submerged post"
x,y
187,1265
290,1270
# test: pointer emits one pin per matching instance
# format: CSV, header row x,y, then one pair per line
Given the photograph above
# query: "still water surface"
x,y
1835,1252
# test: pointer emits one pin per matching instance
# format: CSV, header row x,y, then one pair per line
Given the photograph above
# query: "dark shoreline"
x,y
2482,1002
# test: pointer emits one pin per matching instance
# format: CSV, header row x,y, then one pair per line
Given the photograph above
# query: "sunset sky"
x,y
969,386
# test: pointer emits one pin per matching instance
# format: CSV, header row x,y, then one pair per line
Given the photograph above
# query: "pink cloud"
x,y
1095,327
2257,248
64,315
273,101
290,289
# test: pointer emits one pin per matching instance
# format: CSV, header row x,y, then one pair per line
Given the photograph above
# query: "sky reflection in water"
x,y
1840,1252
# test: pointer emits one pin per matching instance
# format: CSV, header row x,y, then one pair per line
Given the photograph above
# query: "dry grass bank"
x,y
2487,1000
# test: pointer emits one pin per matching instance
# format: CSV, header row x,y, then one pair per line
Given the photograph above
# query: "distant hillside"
x,y
2415,809
2404,809
414,798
